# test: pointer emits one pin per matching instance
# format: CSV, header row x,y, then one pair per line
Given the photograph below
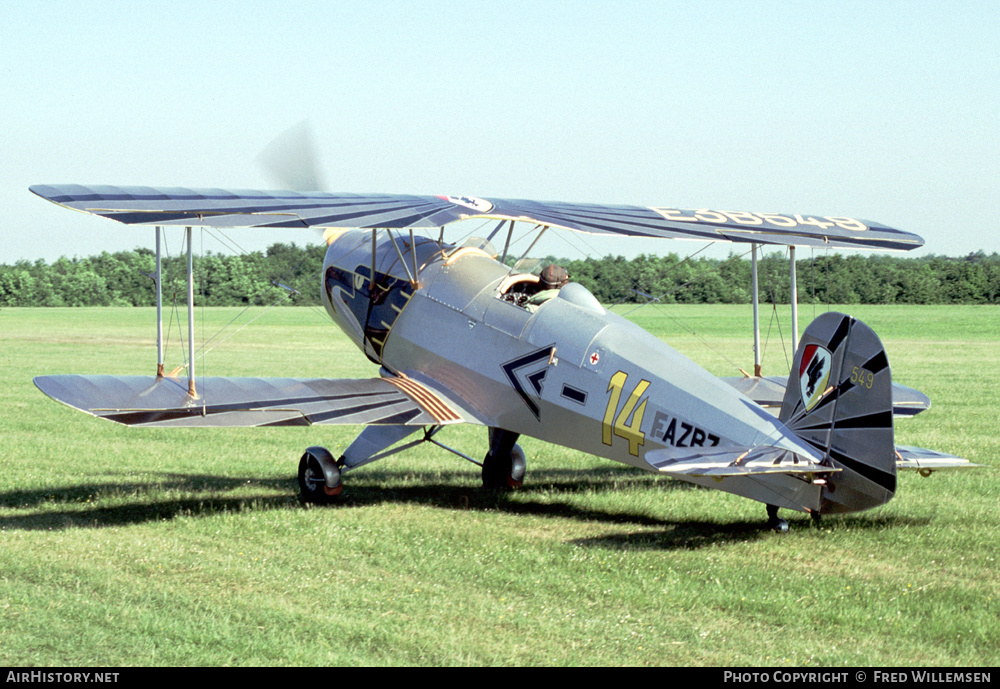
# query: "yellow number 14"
x,y
622,427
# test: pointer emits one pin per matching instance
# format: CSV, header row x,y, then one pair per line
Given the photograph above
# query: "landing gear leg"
x,y
504,465
774,522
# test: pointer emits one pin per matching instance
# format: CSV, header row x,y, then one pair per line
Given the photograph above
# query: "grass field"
x,y
124,546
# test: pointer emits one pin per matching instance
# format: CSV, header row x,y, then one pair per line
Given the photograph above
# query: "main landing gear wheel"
x,y
319,477
504,472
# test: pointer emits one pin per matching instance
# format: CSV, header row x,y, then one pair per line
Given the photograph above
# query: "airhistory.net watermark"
x,y
38,676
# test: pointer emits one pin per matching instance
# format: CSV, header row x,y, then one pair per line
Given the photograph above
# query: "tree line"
x,y
290,273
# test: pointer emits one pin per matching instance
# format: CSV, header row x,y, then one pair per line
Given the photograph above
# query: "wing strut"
x,y
756,305
756,310
413,255
372,277
402,261
159,306
794,297
506,244
532,246
190,280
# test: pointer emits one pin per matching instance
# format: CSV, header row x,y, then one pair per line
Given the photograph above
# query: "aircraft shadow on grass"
x,y
692,535
443,489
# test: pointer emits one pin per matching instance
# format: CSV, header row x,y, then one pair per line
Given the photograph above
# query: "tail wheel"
x,y
774,522
504,472
319,477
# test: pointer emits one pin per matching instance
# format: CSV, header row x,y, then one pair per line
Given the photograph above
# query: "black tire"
x,y
504,473
319,477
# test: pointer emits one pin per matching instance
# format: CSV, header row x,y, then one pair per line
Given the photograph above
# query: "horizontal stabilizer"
x,y
734,461
241,402
924,460
769,391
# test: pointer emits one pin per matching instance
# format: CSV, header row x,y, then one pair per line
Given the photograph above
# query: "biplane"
x,y
455,340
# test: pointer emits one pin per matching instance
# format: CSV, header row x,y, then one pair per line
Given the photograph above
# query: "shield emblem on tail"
x,y
814,374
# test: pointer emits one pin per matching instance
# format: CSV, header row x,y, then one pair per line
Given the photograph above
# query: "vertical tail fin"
x,y
839,399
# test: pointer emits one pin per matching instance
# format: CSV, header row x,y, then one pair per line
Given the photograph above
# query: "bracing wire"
x,y
234,246
775,320
678,321
473,231
199,354
202,351
680,287
171,279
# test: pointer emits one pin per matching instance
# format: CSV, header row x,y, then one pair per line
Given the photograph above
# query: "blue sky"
x,y
885,111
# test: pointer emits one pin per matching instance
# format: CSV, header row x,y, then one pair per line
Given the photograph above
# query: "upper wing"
x,y
151,401
247,208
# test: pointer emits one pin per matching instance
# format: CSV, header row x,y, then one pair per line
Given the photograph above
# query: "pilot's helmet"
x,y
553,276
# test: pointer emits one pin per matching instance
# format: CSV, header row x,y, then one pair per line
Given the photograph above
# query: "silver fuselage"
x,y
570,373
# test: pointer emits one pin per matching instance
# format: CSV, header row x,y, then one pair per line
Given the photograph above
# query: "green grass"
x,y
124,546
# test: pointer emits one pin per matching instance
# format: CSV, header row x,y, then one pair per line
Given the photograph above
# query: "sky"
x,y
886,111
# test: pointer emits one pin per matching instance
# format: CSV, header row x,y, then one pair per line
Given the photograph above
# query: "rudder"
x,y
839,399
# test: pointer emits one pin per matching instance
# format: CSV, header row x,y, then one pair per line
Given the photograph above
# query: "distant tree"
x,y
17,286
286,271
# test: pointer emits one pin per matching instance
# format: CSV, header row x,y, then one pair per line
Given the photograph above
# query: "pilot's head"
x,y
553,277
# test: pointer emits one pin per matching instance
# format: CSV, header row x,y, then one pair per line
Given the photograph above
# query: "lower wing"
x,y
152,401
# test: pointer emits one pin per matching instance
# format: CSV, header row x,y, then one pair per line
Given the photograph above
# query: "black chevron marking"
x,y
536,380
511,369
